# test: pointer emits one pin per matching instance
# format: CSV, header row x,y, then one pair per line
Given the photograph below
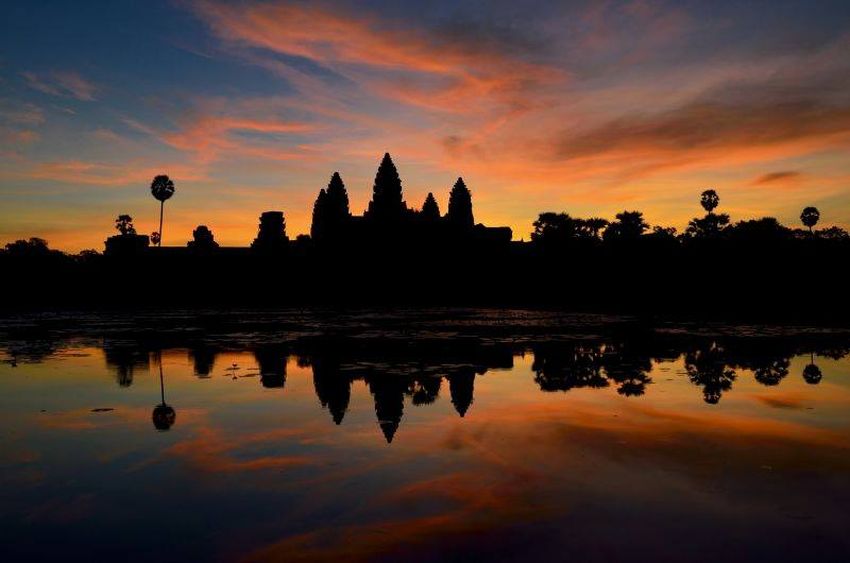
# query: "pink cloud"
x,y
66,84
415,67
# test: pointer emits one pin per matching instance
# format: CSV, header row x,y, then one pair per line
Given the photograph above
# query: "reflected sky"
x,y
593,449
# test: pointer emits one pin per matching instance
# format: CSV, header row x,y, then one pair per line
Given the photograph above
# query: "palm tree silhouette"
x,y
810,217
162,188
596,224
812,373
163,415
709,200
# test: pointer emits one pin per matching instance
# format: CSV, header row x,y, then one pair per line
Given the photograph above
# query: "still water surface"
x,y
422,441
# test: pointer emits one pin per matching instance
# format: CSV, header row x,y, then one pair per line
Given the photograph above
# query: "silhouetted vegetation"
x,y
394,254
810,217
163,415
162,188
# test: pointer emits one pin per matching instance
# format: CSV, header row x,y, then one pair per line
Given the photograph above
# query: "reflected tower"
x,y
272,363
461,389
332,387
388,391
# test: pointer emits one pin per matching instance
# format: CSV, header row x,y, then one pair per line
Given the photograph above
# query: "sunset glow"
x,y
584,107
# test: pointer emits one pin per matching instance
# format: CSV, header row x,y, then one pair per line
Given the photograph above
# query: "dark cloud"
x,y
793,105
777,176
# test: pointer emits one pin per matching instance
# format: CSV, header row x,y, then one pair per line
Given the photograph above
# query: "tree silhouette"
x,y
594,225
810,217
124,225
771,371
707,369
764,230
561,367
424,390
163,416
812,373
834,234
628,368
387,203
460,206
709,200
430,209
710,226
553,229
32,247
162,188
629,226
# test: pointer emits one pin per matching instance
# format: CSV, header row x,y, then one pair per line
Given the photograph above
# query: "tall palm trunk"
x,y
161,382
161,211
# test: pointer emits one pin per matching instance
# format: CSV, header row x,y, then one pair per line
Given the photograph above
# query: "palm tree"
x,y
596,224
162,188
811,373
810,217
163,415
709,200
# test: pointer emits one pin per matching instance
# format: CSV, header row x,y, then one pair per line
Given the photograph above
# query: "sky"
x,y
585,107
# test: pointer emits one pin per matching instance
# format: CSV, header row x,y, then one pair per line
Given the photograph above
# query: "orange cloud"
x,y
210,452
450,72
210,136
103,174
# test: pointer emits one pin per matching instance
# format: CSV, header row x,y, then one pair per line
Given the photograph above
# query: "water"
x,y
508,436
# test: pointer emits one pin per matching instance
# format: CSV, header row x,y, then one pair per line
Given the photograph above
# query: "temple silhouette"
x,y
387,223
400,254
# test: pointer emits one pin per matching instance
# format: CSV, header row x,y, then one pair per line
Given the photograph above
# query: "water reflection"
x,y
418,371
381,445
811,373
163,414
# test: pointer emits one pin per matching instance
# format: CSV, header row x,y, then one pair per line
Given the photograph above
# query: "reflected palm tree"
x,y
628,369
424,390
811,373
707,369
564,367
772,372
163,415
